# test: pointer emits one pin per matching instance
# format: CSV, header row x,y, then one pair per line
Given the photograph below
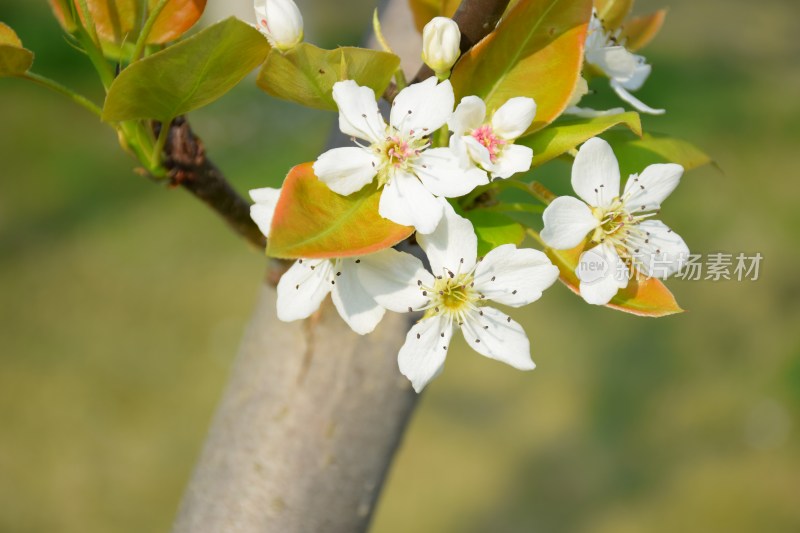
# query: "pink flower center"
x,y
488,139
398,151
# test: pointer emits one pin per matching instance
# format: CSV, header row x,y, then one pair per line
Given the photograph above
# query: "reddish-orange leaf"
x,y
613,12
313,222
118,21
536,51
642,297
639,31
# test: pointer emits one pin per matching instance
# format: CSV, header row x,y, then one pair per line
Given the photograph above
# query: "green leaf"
x,y
536,51
306,74
642,297
564,135
635,153
313,222
14,59
494,229
188,75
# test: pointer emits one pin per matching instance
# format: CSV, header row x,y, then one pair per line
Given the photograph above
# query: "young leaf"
x,y
306,74
613,12
642,297
564,135
424,10
635,153
118,21
313,222
14,59
494,229
536,51
188,75
639,31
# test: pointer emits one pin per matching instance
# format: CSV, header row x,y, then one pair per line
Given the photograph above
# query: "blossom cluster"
x,y
432,152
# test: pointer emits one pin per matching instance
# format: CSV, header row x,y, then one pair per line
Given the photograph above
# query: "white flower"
x,y
627,71
412,174
441,44
456,294
620,225
280,21
490,144
305,285
581,90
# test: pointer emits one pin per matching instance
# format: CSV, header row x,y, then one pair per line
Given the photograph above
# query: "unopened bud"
x,y
441,45
280,21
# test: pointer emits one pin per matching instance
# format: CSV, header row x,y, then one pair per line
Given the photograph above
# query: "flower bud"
x,y
441,45
280,21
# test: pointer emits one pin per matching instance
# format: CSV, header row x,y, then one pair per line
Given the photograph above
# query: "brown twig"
x,y
476,19
188,166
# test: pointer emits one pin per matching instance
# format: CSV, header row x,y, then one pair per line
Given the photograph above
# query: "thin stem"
x,y
138,51
69,93
536,236
161,141
90,28
94,52
517,207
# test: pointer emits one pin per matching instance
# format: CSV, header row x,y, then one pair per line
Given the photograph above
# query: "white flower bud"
x,y
280,21
441,44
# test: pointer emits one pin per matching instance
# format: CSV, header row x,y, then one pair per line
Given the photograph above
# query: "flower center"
x,y
398,153
488,139
452,295
620,227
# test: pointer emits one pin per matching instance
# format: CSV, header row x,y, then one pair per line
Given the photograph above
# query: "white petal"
x,y
422,356
588,112
262,211
442,173
478,152
303,287
358,111
453,246
393,279
514,117
346,170
637,78
601,273
663,254
354,303
514,277
469,115
406,201
635,102
595,173
615,61
493,334
646,191
567,221
512,159
423,107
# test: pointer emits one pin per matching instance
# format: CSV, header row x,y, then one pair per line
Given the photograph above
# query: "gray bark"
x,y
306,430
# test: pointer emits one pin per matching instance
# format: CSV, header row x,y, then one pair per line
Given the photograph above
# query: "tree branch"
x,y
188,166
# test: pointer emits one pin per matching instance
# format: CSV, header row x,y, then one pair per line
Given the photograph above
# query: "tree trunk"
x,y
306,430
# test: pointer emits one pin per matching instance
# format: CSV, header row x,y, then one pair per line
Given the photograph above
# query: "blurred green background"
x,y
122,303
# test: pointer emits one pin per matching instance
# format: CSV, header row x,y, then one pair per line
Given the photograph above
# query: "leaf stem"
x,y
138,51
535,234
69,93
161,141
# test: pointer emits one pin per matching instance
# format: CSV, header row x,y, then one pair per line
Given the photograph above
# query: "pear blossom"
x,y
398,155
581,90
441,45
305,285
456,294
490,143
280,21
626,70
620,226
